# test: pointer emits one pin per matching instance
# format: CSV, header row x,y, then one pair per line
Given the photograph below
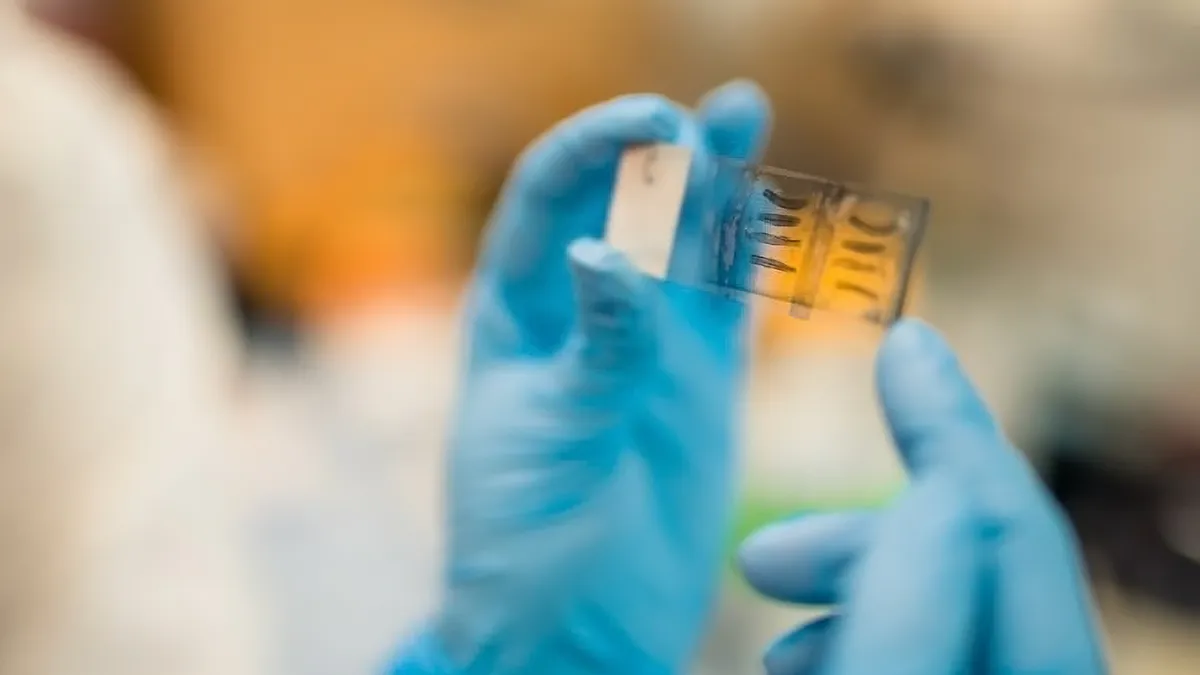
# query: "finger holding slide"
x,y
934,414
560,163
614,338
734,122
593,139
557,193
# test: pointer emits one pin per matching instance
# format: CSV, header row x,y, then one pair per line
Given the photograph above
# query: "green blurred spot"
x,y
757,511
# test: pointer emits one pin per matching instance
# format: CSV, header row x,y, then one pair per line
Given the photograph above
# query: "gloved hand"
x,y
592,460
972,570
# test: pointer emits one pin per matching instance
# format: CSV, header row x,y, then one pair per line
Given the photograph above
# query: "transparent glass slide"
x,y
805,242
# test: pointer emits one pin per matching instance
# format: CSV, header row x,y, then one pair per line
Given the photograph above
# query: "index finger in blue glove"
x,y
1042,616
528,237
736,119
932,411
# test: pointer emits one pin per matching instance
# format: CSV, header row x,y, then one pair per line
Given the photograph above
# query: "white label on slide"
x,y
646,202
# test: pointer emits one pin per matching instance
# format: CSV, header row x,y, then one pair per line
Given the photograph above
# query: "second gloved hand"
x,y
592,462
972,570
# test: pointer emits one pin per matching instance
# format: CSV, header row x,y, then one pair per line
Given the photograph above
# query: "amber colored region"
x,y
829,329
375,227
358,132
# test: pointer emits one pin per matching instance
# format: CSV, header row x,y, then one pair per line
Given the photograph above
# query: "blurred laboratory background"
x,y
266,210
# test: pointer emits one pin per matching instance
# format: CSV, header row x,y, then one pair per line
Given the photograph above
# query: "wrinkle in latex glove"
x,y
971,570
592,463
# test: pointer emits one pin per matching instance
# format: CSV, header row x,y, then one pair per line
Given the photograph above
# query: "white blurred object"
x,y
118,520
814,432
347,480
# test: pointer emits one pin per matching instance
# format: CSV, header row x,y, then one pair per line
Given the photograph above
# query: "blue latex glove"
x,y
972,570
592,459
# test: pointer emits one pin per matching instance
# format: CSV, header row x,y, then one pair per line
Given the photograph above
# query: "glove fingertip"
x,y
771,542
805,560
613,301
594,137
595,262
737,99
662,115
801,650
912,358
926,396
911,339
737,117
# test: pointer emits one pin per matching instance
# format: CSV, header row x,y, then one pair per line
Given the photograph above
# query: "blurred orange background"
x,y
357,161
360,143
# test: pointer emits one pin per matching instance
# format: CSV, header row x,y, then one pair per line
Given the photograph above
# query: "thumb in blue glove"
x,y
973,569
613,340
575,408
